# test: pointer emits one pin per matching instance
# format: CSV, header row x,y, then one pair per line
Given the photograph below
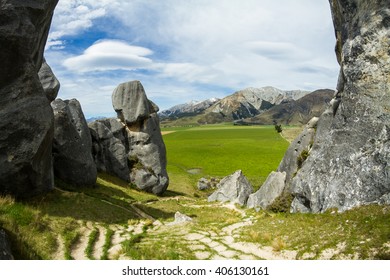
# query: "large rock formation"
x,y
348,165
298,150
234,188
109,147
269,191
26,118
72,145
131,147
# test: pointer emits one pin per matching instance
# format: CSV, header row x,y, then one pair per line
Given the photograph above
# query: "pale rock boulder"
x,y
72,145
131,146
131,104
234,188
269,191
348,164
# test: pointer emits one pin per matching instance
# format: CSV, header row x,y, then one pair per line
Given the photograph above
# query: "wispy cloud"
x,y
107,55
190,49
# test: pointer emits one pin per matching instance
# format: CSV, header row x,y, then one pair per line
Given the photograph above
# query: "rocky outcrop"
x,y
49,81
26,118
298,150
5,247
348,164
269,191
234,188
72,145
132,146
109,147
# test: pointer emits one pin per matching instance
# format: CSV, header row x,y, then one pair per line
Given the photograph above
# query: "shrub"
x,y
282,203
278,128
302,157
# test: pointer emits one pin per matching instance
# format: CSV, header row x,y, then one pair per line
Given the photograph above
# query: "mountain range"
x,y
265,105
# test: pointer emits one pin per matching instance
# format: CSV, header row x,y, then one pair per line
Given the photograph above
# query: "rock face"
x,y
72,145
26,118
109,147
132,146
269,191
235,188
5,248
295,153
49,82
348,165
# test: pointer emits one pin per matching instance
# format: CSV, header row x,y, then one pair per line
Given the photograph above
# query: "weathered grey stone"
x,y
72,146
5,247
147,156
49,81
131,104
203,184
26,118
269,191
302,143
132,146
182,218
108,147
348,164
235,188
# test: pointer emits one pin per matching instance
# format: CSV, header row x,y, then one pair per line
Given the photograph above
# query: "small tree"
x,y
278,128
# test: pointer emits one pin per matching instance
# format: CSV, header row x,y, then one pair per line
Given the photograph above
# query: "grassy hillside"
x,y
115,221
219,150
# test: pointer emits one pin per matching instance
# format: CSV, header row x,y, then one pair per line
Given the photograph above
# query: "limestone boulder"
x,y
131,146
131,104
109,148
269,191
72,146
147,155
203,184
49,81
26,118
234,188
348,164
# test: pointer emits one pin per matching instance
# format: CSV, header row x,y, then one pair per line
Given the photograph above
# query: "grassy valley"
x,y
115,221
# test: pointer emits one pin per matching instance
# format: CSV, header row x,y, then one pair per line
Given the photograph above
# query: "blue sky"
x,y
189,50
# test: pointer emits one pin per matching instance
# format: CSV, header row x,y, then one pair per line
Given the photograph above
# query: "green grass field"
x,y
219,150
54,225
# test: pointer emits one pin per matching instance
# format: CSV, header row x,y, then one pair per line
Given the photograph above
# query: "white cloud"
x,y
74,16
200,48
110,55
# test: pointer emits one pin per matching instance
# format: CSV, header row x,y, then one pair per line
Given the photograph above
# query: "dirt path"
x,y
216,244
